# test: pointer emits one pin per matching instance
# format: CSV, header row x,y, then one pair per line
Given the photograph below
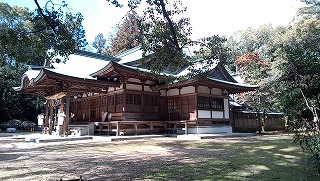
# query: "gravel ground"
x,y
101,160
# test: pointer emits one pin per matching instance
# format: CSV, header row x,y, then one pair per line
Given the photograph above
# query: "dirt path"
x,y
123,160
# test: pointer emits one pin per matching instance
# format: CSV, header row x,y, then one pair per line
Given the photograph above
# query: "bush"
x,y
14,123
311,145
28,125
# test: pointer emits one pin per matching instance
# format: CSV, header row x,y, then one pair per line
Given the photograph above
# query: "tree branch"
x,y
172,30
44,16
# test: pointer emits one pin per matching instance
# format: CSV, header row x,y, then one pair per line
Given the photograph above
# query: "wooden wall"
x,y
122,104
247,122
177,108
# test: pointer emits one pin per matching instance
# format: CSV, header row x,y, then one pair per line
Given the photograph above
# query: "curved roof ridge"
x,y
96,55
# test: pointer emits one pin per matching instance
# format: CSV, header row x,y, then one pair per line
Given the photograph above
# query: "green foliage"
x,y
163,35
57,30
252,55
31,38
22,107
298,52
212,49
28,36
312,10
165,38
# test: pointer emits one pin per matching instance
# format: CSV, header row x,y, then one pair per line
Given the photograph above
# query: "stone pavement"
x,y
37,137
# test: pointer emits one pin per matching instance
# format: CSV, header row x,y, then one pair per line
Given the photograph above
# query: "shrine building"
x,y
112,95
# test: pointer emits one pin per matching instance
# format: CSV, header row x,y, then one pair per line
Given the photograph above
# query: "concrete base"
x,y
43,138
122,138
82,130
212,136
210,130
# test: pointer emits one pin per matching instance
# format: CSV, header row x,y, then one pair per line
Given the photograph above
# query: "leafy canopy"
x,y
165,37
42,34
31,38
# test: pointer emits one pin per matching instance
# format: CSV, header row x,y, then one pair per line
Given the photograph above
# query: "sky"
x,y
207,17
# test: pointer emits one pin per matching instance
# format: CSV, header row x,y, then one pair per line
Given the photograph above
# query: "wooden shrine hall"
x,y
111,95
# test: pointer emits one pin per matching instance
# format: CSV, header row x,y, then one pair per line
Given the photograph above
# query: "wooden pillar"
x,y
118,126
197,124
196,100
109,128
100,128
142,97
179,104
114,101
67,119
51,116
124,94
186,127
211,109
135,128
46,118
151,126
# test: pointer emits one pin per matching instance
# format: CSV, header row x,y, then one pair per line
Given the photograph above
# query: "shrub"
x,y
311,145
14,123
28,125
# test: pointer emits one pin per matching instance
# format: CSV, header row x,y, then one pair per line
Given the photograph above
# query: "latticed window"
x,y
150,100
216,103
172,105
93,114
210,103
110,100
203,102
134,99
104,101
93,102
118,99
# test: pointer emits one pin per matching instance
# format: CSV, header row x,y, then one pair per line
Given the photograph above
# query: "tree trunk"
x,y
4,112
259,121
263,119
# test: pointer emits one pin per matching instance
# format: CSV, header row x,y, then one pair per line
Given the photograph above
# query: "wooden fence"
x,y
247,122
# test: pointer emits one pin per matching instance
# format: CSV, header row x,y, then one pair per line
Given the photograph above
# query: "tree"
x,y
165,36
58,30
29,35
31,38
242,46
127,35
23,107
254,70
298,52
99,43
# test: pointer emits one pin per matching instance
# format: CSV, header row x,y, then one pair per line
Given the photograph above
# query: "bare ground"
x,y
101,160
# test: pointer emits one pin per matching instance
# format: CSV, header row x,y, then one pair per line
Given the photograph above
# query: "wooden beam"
x,y
186,127
58,95
118,127
46,118
66,126
51,116
135,128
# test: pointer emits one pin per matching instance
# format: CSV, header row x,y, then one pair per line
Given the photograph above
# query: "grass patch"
x,y
268,160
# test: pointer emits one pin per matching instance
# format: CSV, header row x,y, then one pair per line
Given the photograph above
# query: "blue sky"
x,y
208,17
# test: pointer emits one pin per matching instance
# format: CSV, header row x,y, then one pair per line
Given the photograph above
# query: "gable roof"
x,y
49,82
92,69
82,64
114,69
220,72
